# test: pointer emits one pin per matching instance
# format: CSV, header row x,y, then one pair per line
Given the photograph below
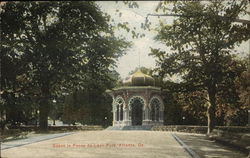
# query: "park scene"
x,y
116,79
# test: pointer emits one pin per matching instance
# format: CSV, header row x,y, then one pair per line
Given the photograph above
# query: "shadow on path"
x,y
207,148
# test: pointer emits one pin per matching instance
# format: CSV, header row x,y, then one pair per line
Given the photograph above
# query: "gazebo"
x,y
138,102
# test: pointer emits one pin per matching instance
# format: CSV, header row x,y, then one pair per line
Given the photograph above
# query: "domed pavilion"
x,y
138,102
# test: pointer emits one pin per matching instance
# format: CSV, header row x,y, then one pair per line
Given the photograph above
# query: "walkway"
x,y
118,144
103,144
30,140
208,148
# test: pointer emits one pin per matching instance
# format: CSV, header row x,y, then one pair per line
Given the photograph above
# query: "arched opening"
x,y
119,104
153,112
157,112
121,112
117,112
136,112
155,109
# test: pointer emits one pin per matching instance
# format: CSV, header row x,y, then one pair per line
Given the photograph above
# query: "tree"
x,y
243,87
191,104
173,111
192,107
14,87
229,107
57,43
91,105
201,41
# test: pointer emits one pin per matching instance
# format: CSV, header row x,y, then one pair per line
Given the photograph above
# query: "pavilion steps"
x,y
143,127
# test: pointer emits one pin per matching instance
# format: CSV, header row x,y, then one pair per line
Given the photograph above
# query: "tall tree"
x,y
243,85
58,43
91,105
201,40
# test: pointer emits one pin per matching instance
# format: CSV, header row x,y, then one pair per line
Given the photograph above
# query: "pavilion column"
x,y
113,108
161,114
146,120
161,118
155,113
149,114
146,114
126,120
114,117
127,114
124,115
119,114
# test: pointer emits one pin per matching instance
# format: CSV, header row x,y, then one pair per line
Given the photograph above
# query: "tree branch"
x,y
243,21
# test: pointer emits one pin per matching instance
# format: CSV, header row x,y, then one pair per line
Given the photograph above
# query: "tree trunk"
x,y
211,111
43,114
44,108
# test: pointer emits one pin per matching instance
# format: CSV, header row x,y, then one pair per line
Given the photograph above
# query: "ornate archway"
x,y
136,105
119,105
156,109
137,102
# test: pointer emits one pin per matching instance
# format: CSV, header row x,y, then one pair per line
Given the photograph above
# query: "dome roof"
x,y
139,79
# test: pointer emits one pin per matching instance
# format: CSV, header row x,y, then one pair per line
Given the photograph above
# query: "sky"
x,y
138,54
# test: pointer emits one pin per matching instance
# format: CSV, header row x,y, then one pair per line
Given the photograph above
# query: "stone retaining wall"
x,y
60,128
181,128
201,129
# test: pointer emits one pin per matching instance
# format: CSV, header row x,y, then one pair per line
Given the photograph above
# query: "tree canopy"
x,y
202,44
52,48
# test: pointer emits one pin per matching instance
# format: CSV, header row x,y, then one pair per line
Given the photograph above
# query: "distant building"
x,y
137,102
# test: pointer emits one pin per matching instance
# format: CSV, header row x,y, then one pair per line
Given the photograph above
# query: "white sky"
x,y
141,46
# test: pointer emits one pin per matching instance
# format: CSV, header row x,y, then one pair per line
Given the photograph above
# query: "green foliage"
x,y
243,87
202,39
87,107
50,48
192,104
125,25
172,110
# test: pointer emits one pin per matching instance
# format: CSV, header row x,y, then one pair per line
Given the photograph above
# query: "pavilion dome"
x,y
139,79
